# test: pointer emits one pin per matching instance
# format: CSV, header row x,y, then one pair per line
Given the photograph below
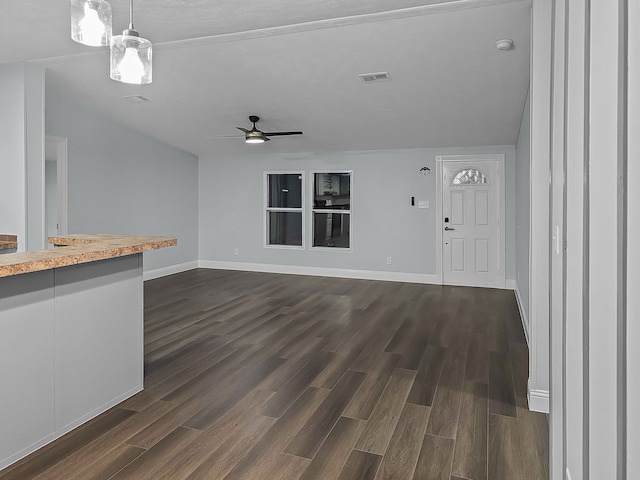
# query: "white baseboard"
x,y
170,270
523,315
538,400
508,285
323,272
425,278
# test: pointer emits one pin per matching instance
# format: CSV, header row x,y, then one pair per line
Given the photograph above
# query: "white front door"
x,y
471,223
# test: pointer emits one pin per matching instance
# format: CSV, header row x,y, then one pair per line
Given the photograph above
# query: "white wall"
x,y
51,198
523,175
124,182
384,222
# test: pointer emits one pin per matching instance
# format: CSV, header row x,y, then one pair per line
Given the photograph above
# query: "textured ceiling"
x,y
172,20
295,63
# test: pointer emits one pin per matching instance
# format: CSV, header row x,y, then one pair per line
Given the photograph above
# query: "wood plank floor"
x,y
263,376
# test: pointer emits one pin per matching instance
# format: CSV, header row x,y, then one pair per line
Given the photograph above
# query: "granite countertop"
x,y
74,249
8,241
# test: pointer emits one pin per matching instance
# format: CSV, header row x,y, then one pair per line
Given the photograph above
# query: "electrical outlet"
x,y
388,260
236,252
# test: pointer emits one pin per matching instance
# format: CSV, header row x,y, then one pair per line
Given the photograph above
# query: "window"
x,y
331,210
469,176
284,209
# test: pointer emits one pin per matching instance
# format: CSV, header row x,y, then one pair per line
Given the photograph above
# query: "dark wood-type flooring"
x,y
268,377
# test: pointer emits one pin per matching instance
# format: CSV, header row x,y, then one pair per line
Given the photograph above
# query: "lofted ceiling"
x,y
295,63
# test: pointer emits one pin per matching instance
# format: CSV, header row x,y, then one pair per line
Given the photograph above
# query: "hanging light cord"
x,y
131,15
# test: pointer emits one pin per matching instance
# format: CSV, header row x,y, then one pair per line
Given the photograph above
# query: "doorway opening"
x,y
56,214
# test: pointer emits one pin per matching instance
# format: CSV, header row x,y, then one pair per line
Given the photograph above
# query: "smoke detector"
x,y
504,44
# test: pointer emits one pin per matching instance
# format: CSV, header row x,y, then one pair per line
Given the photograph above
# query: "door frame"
x,y
500,159
632,271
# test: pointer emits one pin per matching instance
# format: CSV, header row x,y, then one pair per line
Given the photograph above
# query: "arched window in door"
x,y
470,176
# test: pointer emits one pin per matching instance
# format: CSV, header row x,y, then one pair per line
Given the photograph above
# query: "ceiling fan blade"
x,y
243,129
279,134
213,137
267,139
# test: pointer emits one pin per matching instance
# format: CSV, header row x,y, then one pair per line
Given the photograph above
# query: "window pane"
x,y
332,191
285,190
284,228
331,230
469,176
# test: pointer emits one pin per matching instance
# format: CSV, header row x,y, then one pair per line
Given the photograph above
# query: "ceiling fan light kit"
x,y
91,22
256,136
130,54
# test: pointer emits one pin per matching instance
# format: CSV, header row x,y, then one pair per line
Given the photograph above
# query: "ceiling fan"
x,y
256,136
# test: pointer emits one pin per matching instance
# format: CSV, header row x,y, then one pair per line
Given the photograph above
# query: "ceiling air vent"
x,y
137,99
375,77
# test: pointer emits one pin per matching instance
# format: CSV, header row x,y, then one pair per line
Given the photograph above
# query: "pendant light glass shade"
x,y
91,22
131,58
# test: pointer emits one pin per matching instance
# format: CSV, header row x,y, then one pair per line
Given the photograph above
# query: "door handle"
x,y
448,228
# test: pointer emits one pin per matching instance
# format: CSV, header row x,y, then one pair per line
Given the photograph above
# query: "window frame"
x,y
312,180
266,209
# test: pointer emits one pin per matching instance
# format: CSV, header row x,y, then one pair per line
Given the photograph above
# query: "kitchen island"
x,y
71,335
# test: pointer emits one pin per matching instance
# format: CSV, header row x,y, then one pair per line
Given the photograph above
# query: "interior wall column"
x,y
633,234
573,346
607,263
22,136
34,155
557,216
540,202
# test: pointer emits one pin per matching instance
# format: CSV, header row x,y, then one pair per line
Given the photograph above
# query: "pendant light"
x,y
91,22
130,56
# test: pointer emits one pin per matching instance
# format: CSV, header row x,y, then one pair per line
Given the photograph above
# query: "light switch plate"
x,y
423,204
